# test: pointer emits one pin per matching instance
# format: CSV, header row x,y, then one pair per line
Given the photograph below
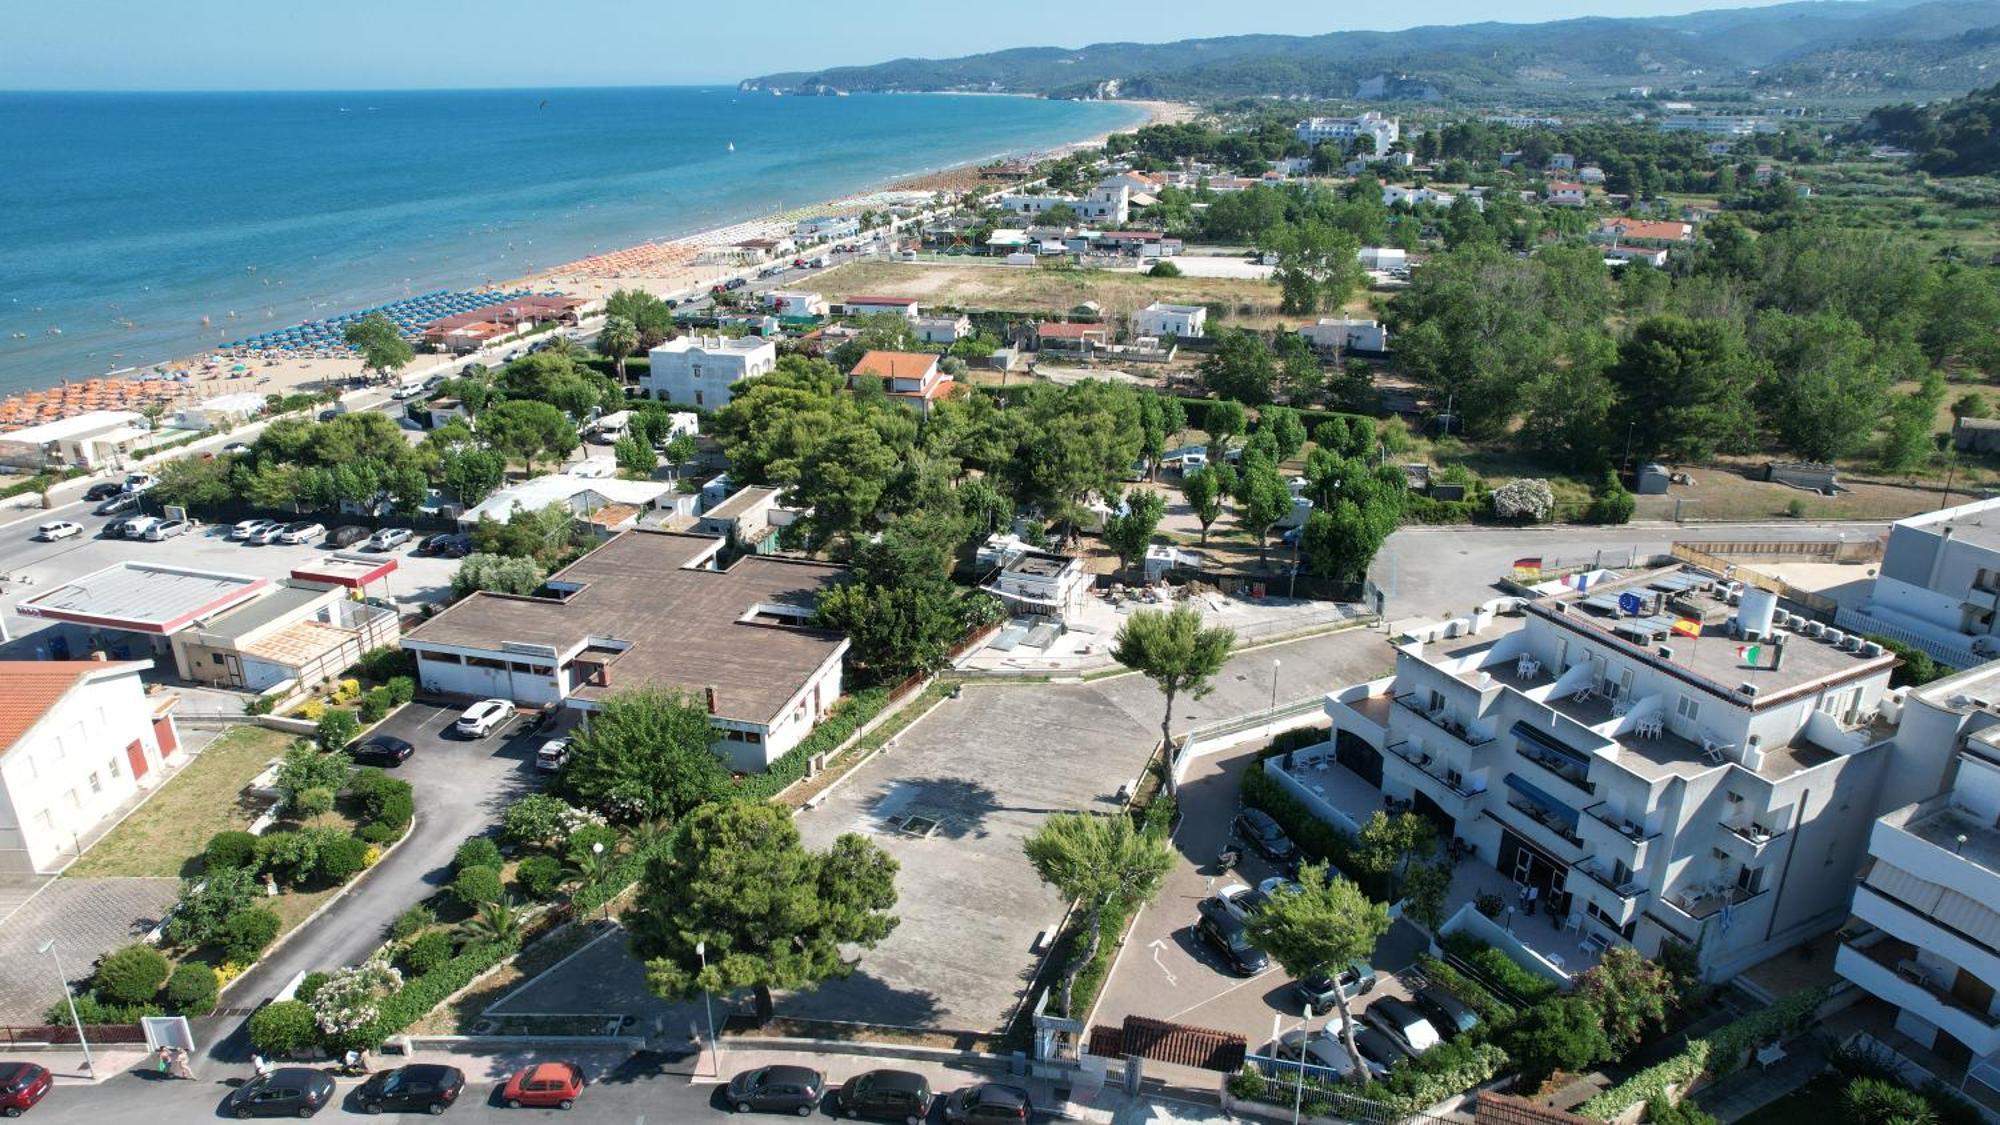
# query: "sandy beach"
x,y
670,268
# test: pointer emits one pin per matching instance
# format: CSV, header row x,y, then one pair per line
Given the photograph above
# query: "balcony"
x,y
1628,891
1701,903
1546,821
1565,770
1748,839
1887,968
1443,721
1630,830
1428,765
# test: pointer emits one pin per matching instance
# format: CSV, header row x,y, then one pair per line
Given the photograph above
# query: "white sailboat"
x,y
732,146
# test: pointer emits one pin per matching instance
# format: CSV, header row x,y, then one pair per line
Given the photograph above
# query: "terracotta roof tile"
x,y
895,365
34,686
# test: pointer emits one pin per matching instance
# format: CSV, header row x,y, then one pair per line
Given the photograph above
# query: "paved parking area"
x,y
86,918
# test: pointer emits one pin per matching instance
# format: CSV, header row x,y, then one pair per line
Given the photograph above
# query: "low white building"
x,y
824,228
942,329
222,410
85,441
870,305
608,502
1938,586
1036,204
749,518
702,370
1393,194
1342,334
1043,584
78,739
795,302
1388,258
1185,322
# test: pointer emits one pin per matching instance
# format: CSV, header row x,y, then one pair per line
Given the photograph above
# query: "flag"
x,y
1749,653
1631,603
1687,626
1528,568
1579,581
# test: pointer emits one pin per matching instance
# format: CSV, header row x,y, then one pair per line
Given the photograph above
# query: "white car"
x,y
250,529
138,526
60,529
167,529
236,448
267,536
304,531
388,539
553,755
140,482
484,717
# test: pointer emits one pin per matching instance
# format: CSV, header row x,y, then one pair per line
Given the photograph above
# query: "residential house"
x,y
1106,204
1522,121
1393,194
1560,162
911,378
1385,258
1938,585
795,304
1007,240
1077,339
1563,194
1138,183
607,503
764,249
703,370
651,609
1383,131
749,518
1643,232
1590,174
1332,334
1185,322
1037,204
864,305
1654,256
1039,583
78,740
942,329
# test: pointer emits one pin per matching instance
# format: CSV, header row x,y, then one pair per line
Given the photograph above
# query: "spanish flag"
x,y
1528,568
1687,627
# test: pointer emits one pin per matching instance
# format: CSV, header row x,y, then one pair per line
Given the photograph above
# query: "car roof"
x,y
895,1079
1446,1000
803,1075
1391,1008
993,1093
295,1075
549,1071
431,1072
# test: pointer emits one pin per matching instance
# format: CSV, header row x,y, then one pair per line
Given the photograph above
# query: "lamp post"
x,y
49,947
597,850
1271,716
708,1013
1299,1091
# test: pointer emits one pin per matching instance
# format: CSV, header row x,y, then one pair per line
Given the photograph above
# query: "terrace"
x,y
1334,793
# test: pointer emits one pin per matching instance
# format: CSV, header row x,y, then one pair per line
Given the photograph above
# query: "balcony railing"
x,y
1899,957
1443,721
1629,890
1570,772
1754,834
1429,767
1546,818
1630,829
1709,903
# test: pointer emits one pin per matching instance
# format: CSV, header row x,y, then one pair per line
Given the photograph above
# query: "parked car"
x,y
388,539
553,755
544,1085
330,413
734,283
137,526
22,1084
272,534
123,502
103,490
58,529
247,528
289,1091
988,1101
346,536
446,545
1409,1027
420,1086
889,1095
484,717
381,750
167,529
1326,1047
1256,828
304,531
1241,900
236,448
1279,885
1451,1016
777,1089
140,482
1357,979
1224,931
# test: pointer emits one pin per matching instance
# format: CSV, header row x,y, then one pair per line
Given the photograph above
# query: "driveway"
x,y
462,788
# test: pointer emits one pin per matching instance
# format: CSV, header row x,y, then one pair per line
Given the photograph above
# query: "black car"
x,y
777,1089
446,546
330,413
734,283
889,1095
1451,1016
988,1101
347,536
380,750
103,490
1256,828
423,1086
1378,1046
118,504
1225,932
290,1091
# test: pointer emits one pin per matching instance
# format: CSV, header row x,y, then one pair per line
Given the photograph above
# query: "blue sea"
x,y
127,218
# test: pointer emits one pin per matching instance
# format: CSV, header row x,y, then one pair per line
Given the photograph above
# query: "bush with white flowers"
x,y
351,998
1525,498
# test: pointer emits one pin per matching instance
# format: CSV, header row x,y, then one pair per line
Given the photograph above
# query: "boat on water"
x,y
732,146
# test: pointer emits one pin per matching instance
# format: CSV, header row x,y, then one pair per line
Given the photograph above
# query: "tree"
x,y
525,430
247,933
1097,861
335,730
379,342
1225,420
351,1000
194,483
1173,649
618,339
898,631
645,754
208,903
650,316
1263,498
1128,533
1912,418
1318,929
1387,844
1632,995
635,458
1319,267
1202,490
1525,498
304,767
1881,1101
678,451
132,975
843,481
500,574
1567,1034
1569,406
471,474
770,913
1826,391
1240,368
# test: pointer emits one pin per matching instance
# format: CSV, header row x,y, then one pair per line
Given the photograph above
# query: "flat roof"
x,y
143,597
284,600
740,501
353,571
689,629
79,425
299,643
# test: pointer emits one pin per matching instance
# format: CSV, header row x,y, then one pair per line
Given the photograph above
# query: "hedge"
x,y
421,993
1493,1011
1725,1046
1317,840
1444,1071
1500,968
193,989
229,849
850,715
283,1027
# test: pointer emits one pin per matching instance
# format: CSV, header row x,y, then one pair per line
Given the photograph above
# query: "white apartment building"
x,y
1653,787
701,370
1343,130
1184,322
942,329
1721,125
78,738
1938,586
1038,204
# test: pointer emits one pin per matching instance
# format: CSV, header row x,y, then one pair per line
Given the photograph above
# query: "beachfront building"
x,y
1383,131
824,228
78,739
220,411
652,609
84,441
1938,587
1183,322
1341,334
796,304
476,327
1110,205
703,370
1021,204
1658,765
911,378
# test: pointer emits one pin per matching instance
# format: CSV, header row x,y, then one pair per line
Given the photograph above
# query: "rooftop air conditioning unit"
x,y
1746,689
1871,649
1815,630
1833,636
1851,643
1666,653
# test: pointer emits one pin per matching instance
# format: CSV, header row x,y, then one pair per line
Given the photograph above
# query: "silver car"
x,y
167,529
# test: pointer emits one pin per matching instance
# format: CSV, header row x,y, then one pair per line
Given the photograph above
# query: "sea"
x,y
128,218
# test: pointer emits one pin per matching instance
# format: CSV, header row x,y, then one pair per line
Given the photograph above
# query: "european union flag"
x,y
1631,603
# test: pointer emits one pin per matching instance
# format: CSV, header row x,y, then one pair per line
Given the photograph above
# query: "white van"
x,y
407,389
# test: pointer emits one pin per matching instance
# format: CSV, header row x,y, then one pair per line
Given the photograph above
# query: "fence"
x,y
1322,1091
1819,604
61,1034
1859,621
1823,550
1271,716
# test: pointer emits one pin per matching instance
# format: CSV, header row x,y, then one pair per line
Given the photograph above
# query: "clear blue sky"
x,y
381,44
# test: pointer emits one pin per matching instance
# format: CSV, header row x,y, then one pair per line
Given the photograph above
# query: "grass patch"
x,y
164,838
1251,302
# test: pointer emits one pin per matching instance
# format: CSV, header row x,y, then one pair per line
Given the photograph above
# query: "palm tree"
x,y
561,345
590,868
496,922
619,339
1098,861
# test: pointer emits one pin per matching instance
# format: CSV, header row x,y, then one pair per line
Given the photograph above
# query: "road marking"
x,y
1219,995
1159,944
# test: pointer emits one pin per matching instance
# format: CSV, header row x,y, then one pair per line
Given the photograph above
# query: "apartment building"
x,y
703,370
1660,763
1938,587
1384,131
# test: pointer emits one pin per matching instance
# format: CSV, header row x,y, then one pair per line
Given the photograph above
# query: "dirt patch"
x,y
1248,302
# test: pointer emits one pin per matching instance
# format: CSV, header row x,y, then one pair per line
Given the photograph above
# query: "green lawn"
x,y
166,836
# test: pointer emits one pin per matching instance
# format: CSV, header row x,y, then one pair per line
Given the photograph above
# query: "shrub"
x,y
539,876
229,849
91,1009
309,985
1164,268
396,811
427,952
207,903
375,705
1562,1034
312,710
132,975
534,820
336,729
192,989
402,689
1795,508
415,999
342,859
586,839
386,799
316,801
261,705
248,933
385,663
306,768
1661,1111
346,691
1872,1101
476,885
1527,498
283,1028
375,832
479,851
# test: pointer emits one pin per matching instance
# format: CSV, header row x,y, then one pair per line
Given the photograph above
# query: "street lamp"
x,y
714,1048
597,850
1299,1092
49,947
1274,685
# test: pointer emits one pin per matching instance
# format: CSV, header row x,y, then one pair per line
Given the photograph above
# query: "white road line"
x,y
1219,995
1172,980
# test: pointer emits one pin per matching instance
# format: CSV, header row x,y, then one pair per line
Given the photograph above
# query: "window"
x,y
44,821
1689,708
96,784
215,658
112,765
697,398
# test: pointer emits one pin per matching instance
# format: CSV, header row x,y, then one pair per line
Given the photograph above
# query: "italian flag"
x,y
1749,653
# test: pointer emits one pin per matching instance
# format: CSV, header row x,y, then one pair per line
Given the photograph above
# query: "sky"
x,y
393,44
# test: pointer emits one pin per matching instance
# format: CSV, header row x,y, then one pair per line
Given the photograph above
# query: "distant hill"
x,y
1853,46
1954,138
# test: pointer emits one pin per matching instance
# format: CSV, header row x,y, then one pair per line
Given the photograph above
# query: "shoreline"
x,y
664,266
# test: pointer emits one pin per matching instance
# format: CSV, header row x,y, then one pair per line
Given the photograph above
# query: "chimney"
x,y
713,700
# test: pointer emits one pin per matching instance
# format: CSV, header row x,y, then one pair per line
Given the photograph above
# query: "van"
x,y
407,389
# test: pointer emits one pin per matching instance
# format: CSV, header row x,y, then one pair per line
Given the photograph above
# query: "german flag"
x,y
1528,568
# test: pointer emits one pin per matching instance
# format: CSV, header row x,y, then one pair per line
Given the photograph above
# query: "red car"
x,y
21,1086
545,1085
